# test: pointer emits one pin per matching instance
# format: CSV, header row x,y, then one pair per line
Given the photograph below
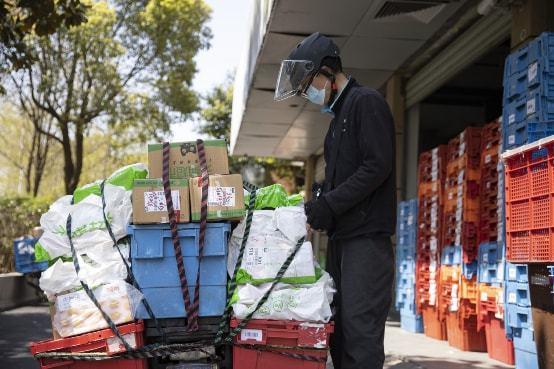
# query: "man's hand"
x,y
319,214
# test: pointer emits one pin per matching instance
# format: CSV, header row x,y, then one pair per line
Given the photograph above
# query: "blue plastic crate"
x,y
492,274
469,270
518,293
514,112
24,255
451,255
518,317
515,86
155,268
407,267
538,106
412,323
526,360
407,238
516,272
490,253
523,133
524,339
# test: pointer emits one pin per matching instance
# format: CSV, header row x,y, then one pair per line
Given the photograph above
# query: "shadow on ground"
x,y
17,328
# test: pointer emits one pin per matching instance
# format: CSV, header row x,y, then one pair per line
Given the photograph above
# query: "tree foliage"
x,y
216,122
20,18
128,69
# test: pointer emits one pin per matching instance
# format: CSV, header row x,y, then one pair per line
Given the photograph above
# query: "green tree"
x,y
215,121
20,18
129,68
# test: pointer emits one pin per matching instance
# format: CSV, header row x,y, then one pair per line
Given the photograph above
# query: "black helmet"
x,y
304,61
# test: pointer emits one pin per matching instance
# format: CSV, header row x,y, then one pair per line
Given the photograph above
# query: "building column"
x,y
411,153
396,102
309,176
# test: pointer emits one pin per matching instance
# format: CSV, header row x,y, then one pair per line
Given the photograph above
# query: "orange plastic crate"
x,y
469,289
463,334
432,326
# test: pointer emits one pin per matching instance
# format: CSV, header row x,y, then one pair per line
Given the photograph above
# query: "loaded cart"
x,y
175,294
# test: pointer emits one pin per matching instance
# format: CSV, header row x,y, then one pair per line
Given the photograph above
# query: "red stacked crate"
x,y
490,317
432,169
490,151
461,205
276,344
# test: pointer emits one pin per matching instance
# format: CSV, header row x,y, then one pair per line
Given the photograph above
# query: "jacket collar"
x,y
337,105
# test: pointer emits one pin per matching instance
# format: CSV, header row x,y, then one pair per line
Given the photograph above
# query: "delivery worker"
x,y
356,204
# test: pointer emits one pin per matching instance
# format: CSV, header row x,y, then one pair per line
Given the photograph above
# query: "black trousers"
x,y
363,271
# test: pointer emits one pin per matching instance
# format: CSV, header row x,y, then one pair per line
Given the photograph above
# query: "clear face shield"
x,y
294,77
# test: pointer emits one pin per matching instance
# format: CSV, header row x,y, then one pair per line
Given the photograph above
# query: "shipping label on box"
x,y
184,162
225,197
149,204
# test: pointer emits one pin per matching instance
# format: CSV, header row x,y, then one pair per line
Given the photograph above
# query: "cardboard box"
x,y
149,205
225,197
184,162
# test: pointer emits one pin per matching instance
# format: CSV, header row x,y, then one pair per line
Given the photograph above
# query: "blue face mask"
x,y
316,96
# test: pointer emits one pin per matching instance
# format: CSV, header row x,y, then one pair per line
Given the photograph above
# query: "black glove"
x,y
320,216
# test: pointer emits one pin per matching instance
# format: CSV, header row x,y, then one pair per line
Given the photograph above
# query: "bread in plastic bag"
x,y
75,313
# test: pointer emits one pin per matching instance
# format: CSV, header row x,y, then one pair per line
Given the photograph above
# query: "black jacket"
x,y
362,190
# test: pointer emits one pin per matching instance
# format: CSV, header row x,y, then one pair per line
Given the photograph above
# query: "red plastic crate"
x,y
463,334
498,346
432,325
100,341
250,350
529,178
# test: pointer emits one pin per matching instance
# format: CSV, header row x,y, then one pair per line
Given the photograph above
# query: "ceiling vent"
x,y
397,7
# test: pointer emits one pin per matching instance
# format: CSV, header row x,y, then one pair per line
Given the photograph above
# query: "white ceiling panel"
x,y
377,53
369,77
265,130
285,116
327,16
264,100
266,76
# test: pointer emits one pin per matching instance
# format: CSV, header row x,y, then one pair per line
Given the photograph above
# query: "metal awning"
x,y
371,48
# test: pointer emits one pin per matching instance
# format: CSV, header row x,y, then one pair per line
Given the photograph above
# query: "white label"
x,y
512,298
115,345
486,258
484,296
531,106
487,158
154,201
251,334
221,196
512,273
65,302
511,119
532,71
511,139
410,220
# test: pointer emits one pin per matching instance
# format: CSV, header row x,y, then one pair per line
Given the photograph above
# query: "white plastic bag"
x,y
273,236
291,221
309,303
75,313
88,226
100,265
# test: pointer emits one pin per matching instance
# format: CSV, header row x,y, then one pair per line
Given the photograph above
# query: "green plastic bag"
x,y
274,196
123,177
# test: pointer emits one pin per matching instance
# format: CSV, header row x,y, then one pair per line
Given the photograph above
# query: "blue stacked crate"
x,y
155,268
519,325
491,264
406,231
528,113
24,255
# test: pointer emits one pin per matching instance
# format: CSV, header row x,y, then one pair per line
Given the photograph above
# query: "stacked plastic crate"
x,y
406,233
460,241
528,116
432,172
528,113
490,307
